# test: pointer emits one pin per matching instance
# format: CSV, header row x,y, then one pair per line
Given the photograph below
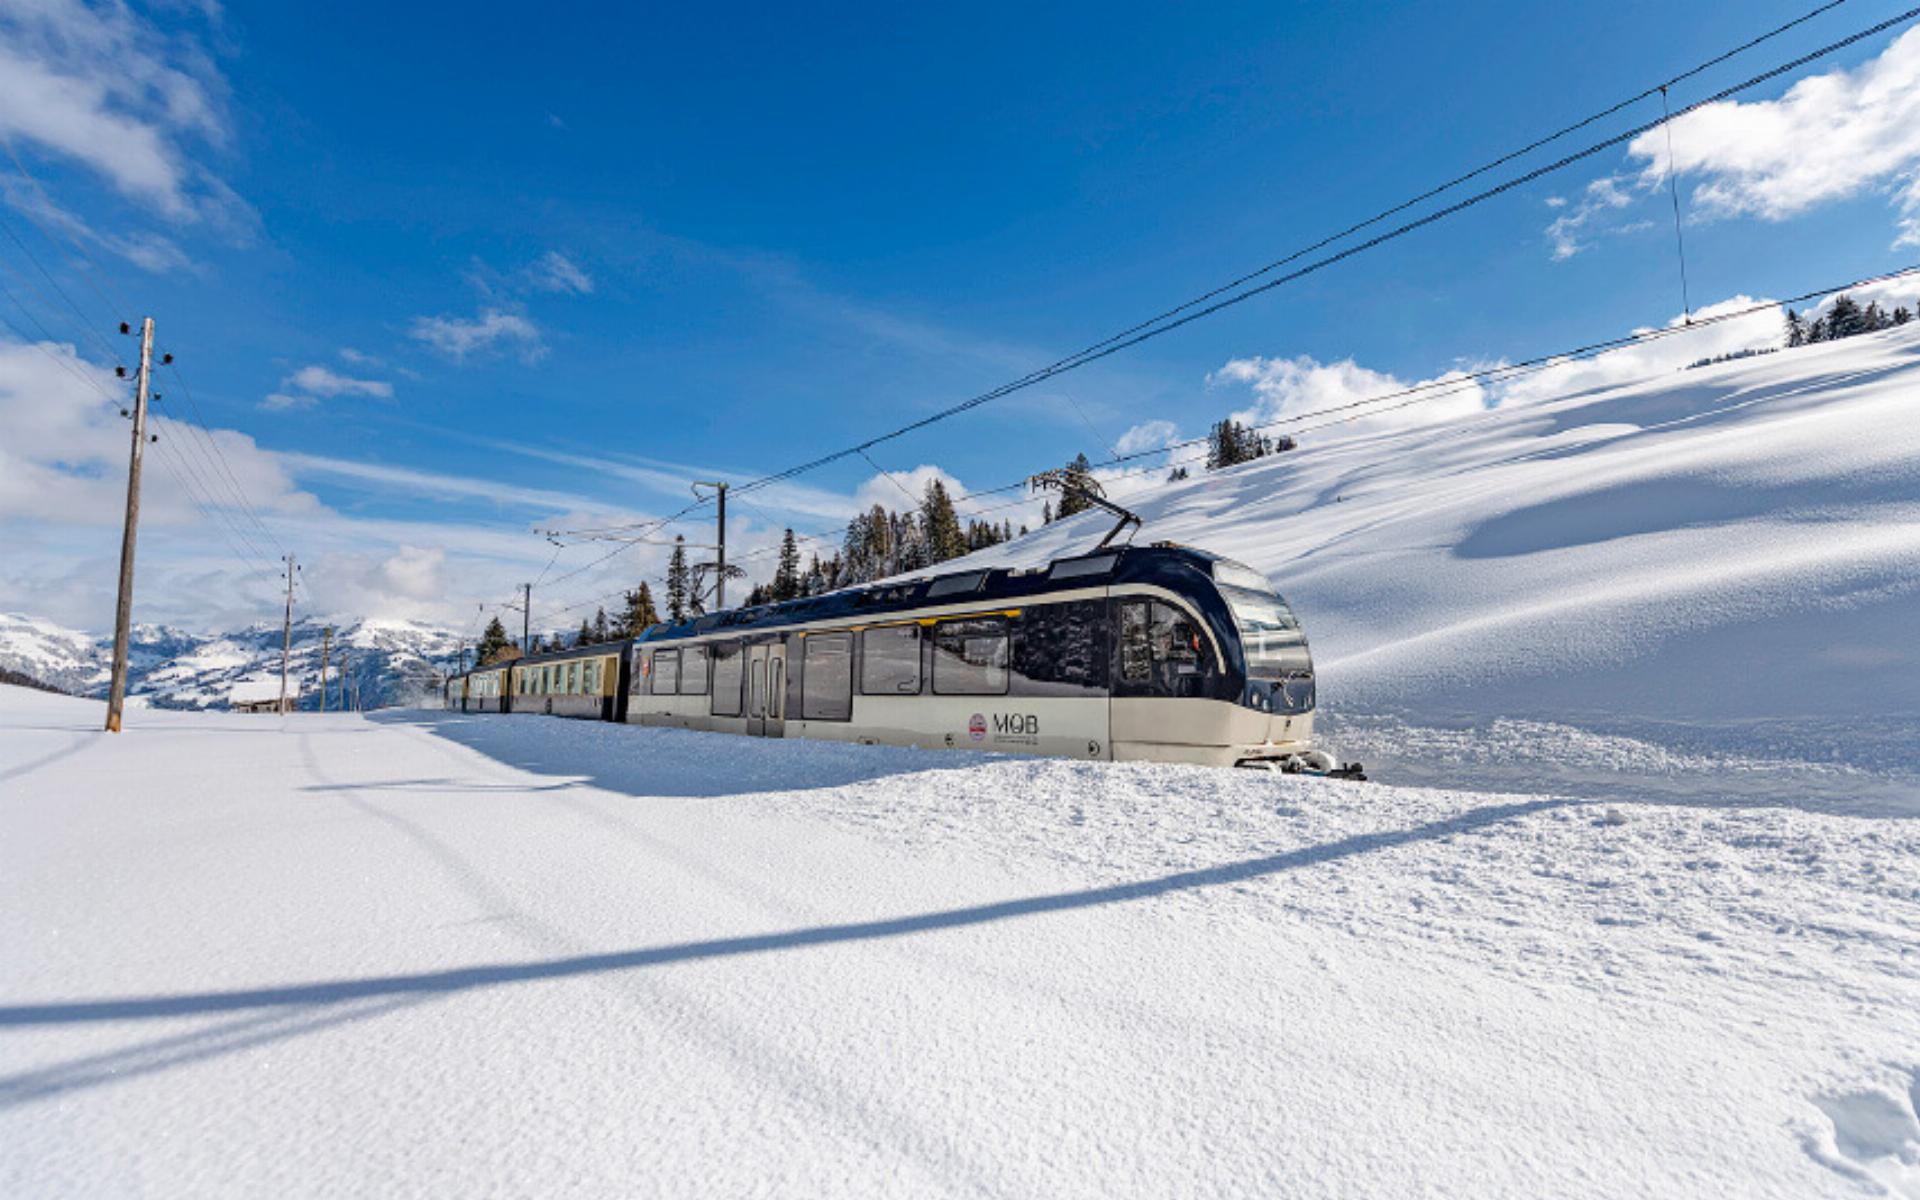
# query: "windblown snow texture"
x,y
435,954
1638,912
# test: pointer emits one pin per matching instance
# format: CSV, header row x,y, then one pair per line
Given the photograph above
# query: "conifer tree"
x,y
1796,329
493,643
585,636
1073,490
1901,316
786,576
601,632
940,525
1845,319
679,582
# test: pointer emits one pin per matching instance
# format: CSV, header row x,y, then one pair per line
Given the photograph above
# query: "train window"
x,y
970,657
826,683
637,676
890,661
729,674
1136,656
1060,649
666,672
956,585
1082,568
693,671
1162,650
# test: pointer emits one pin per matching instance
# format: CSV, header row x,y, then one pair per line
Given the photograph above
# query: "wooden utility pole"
x,y
286,634
123,612
526,620
326,644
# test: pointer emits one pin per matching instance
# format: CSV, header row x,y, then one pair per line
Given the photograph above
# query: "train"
x,y
1161,653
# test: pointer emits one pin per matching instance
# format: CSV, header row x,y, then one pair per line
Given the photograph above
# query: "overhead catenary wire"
x,y
1225,296
1191,313
222,477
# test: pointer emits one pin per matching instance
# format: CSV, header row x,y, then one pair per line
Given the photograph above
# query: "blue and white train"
x,y
1160,653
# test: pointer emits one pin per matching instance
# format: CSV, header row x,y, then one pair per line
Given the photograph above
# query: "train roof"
x,y
1117,564
1163,562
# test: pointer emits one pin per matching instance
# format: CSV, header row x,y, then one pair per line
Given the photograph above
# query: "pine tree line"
x,y
1844,320
637,612
882,542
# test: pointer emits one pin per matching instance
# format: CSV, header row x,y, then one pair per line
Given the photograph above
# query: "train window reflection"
x,y
666,672
693,671
970,657
729,676
890,662
826,682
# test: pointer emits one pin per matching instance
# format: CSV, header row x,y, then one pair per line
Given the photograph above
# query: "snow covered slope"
x,y
391,661
1730,553
442,955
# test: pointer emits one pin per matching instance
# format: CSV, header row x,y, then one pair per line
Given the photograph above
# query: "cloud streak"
x,y
490,330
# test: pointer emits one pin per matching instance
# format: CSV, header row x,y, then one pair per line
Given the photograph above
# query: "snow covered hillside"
x,y
392,662
434,954
1724,558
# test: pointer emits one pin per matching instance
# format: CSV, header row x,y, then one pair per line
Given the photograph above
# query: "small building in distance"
x,y
260,696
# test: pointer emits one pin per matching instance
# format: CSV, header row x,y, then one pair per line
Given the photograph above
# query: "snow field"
x,y
433,954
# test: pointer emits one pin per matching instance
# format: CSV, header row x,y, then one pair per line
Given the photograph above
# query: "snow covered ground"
x,y
433,954
1635,911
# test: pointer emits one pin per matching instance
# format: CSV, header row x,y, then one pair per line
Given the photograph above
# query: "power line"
x,y
1190,314
46,340
114,303
218,457
1219,298
106,350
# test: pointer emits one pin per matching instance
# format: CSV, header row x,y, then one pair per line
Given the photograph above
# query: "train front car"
x,y
1211,665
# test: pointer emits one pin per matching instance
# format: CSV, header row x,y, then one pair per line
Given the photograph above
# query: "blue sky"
x,y
442,276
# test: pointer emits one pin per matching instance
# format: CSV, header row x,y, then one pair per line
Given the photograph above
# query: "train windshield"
x,y
1270,634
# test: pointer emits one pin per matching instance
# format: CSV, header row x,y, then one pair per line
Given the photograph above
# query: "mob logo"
x,y
977,727
1022,724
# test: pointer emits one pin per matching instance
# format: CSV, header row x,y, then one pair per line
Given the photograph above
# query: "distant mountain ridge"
x,y
390,661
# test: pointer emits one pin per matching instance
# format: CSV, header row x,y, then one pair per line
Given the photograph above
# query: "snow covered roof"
x,y
256,691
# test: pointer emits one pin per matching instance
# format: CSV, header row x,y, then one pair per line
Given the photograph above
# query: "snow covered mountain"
x,y
389,662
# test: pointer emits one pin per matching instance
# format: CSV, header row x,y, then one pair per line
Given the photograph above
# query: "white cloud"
x,y
63,487
320,381
1148,435
1602,196
460,338
1642,360
100,86
1285,388
307,386
1828,138
359,358
1345,397
555,272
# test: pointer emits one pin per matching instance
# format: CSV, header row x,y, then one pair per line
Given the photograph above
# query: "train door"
x,y
766,689
757,689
